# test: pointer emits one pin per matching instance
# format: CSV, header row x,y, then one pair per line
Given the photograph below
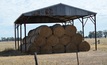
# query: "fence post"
x,y
35,56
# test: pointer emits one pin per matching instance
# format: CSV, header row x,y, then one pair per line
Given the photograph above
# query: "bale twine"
x,y
58,30
46,49
44,31
70,30
33,49
71,47
38,40
77,39
65,39
52,40
84,46
59,48
32,32
28,38
22,46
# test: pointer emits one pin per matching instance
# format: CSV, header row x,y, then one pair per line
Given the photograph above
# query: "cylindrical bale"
x,y
77,39
58,30
84,46
65,39
71,47
28,38
59,48
33,49
38,40
52,40
70,30
22,47
46,49
44,31
32,32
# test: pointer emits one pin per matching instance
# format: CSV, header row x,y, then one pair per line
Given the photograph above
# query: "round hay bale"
x,y
77,39
32,32
59,48
71,47
28,38
84,46
58,30
44,31
47,49
22,46
33,49
65,39
38,40
52,40
70,30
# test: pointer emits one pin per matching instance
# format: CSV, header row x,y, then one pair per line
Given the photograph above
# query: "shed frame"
x,y
55,17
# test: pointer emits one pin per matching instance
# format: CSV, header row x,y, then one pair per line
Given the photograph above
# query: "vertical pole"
x,y
15,34
95,32
83,27
25,35
77,58
21,36
72,22
35,56
18,36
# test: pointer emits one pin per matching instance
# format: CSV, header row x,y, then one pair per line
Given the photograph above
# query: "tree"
x,y
91,34
99,34
105,33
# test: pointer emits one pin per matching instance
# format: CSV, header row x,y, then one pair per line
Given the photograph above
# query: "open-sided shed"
x,y
59,13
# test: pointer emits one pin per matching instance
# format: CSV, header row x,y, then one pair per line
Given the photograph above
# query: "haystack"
x,y
44,31
38,40
77,39
46,49
65,39
52,40
84,46
71,47
28,38
59,48
70,30
58,30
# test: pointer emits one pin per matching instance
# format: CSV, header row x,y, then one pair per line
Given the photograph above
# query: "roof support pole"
x,y
95,32
18,36
25,36
82,27
72,22
21,36
15,34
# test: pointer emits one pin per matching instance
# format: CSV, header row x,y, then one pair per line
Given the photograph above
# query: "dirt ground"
x,y
91,57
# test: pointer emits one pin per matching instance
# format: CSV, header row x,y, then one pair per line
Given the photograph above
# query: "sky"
x,y
10,10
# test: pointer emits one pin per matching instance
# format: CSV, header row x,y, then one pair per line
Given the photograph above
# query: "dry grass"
x,y
86,58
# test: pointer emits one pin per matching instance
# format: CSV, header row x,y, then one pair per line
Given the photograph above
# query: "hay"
x,y
32,32
22,46
52,40
70,30
77,39
46,49
33,49
59,48
58,30
38,40
84,46
71,47
65,39
28,38
44,31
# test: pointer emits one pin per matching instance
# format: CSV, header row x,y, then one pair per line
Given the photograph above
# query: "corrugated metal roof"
x,y
53,14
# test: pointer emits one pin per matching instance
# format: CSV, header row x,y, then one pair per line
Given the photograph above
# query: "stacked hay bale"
x,y
55,39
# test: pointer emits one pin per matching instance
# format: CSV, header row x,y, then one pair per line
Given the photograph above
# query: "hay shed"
x,y
58,13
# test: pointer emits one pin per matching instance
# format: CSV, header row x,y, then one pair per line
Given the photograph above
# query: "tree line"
x,y
91,34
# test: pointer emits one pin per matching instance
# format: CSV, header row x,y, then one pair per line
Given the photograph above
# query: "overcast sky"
x,y
10,10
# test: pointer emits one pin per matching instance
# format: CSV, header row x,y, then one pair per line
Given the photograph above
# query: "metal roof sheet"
x,y
52,14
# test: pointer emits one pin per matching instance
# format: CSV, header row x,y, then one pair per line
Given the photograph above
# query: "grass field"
x,y
91,57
